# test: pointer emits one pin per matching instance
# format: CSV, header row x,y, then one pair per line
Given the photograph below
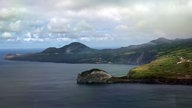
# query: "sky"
x,y
96,23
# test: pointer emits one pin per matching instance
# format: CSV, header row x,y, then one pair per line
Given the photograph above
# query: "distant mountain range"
x,y
79,53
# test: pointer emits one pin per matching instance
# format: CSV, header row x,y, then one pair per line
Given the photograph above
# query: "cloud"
x,y
64,39
94,20
6,35
11,13
122,28
1,25
168,16
171,18
65,4
82,26
15,26
32,38
58,25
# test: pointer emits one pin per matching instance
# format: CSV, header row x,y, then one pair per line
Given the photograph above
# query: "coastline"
x,y
147,81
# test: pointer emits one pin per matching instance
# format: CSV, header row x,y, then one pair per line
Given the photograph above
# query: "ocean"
x,y
53,85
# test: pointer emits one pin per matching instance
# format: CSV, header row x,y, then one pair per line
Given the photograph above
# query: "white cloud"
x,y
28,34
82,26
15,26
110,13
94,20
58,25
39,30
63,39
1,25
85,39
32,37
165,16
122,28
7,13
88,39
65,4
6,35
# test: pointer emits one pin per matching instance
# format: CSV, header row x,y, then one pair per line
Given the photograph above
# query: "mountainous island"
x,y
79,53
160,61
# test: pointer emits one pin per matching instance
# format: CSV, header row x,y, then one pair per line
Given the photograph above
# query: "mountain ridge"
x,y
79,53
75,47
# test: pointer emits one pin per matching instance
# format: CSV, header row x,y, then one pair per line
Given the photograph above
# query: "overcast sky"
x,y
97,23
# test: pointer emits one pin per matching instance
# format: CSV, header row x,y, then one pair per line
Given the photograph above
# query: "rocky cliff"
x,y
96,76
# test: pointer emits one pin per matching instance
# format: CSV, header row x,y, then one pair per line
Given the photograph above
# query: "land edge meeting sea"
x,y
97,76
161,61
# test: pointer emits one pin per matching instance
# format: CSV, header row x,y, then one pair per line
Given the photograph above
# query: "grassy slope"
x,y
165,66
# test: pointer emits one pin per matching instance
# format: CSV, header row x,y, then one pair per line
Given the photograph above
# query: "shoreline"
x,y
119,80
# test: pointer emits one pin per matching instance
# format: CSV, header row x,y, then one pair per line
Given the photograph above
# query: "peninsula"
x,y
160,61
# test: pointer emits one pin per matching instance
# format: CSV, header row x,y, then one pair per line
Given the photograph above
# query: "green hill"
x,y
171,63
135,54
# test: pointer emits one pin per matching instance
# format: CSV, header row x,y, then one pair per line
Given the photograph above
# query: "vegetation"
x,y
134,54
173,63
164,60
85,73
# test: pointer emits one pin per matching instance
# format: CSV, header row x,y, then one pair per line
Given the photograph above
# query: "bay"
x,y
53,85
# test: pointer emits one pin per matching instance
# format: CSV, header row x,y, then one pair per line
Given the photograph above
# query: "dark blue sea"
x,y
53,85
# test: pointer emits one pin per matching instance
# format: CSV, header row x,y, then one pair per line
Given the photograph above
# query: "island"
x,y
172,65
161,61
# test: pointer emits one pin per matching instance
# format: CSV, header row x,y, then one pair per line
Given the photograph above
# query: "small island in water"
x,y
161,61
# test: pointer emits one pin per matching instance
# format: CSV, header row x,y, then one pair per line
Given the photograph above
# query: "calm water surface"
x,y
53,85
